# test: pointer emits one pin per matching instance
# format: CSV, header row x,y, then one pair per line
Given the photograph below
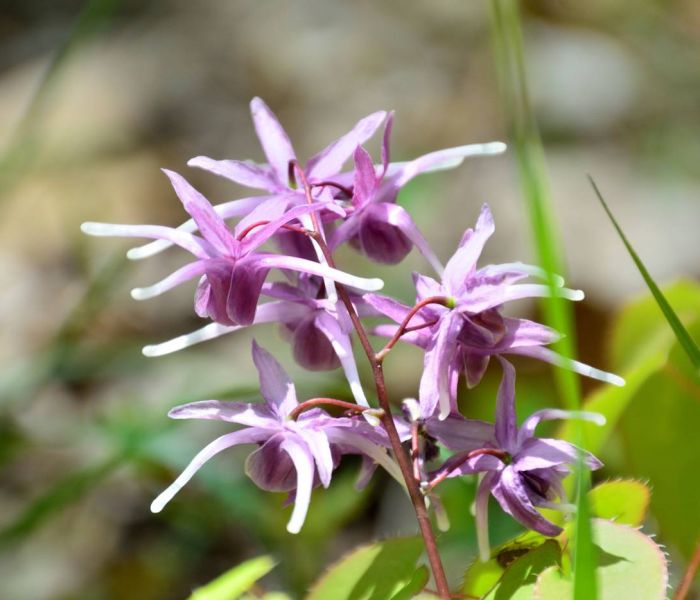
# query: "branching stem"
x,y
387,419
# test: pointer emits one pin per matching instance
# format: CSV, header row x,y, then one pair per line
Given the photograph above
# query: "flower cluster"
x,y
306,211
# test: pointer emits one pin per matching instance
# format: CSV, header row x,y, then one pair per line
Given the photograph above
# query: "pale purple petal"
x,y
463,262
245,436
269,210
457,433
189,271
320,449
332,158
521,332
366,181
448,158
311,347
558,360
270,467
306,266
304,465
273,139
426,286
197,246
243,413
475,366
340,341
544,453
226,210
203,334
506,424
210,224
527,429
481,512
345,231
245,173
514,499
246,282
386,155
392,308
275,385
362,445
434,384
398,217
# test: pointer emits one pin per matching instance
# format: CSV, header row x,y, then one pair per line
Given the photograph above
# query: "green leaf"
x,y
681,333
236,581
374,572
481,577
520,577
418,582
623,501
630,565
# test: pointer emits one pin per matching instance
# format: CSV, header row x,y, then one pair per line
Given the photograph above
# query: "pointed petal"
x,y
514,499
463,262
332,158
275,385
558,360
210,224
245,173
304,465
269,210
226,210
434,383
362,445
306,266
506,424
167,235
527,429
457,433
448,158
343,348
320,449
392,308
365,183
521,332
386,154
543,453
206,333
190,271
426,286
245,436
273,139
398,217
481,512
348,229
243,413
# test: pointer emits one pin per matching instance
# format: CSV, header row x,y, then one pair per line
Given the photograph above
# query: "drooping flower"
x,y
376,225
319,330
232,271
521,471
294,454
460,325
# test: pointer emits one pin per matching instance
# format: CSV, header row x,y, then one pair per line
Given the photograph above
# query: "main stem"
x,y
387,420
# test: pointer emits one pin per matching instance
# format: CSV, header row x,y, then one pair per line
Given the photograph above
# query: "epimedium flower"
x,y
276,177
232,271
521,471
376,225
319,330
458,322
296,450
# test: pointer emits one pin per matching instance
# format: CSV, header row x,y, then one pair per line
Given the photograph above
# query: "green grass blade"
x,y
681,333
508,50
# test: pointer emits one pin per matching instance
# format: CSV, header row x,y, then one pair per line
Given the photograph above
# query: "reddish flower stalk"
x,y
403,327
303,406
342,188
404,461
253,226
684,586
500,454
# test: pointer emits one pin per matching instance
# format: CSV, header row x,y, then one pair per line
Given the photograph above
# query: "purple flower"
x,y
521,471
293,455
376,225
232,272
466,329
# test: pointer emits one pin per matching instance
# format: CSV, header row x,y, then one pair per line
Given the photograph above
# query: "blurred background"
x,y
96,96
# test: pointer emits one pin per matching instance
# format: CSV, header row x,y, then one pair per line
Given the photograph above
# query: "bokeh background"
x,y
96,96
